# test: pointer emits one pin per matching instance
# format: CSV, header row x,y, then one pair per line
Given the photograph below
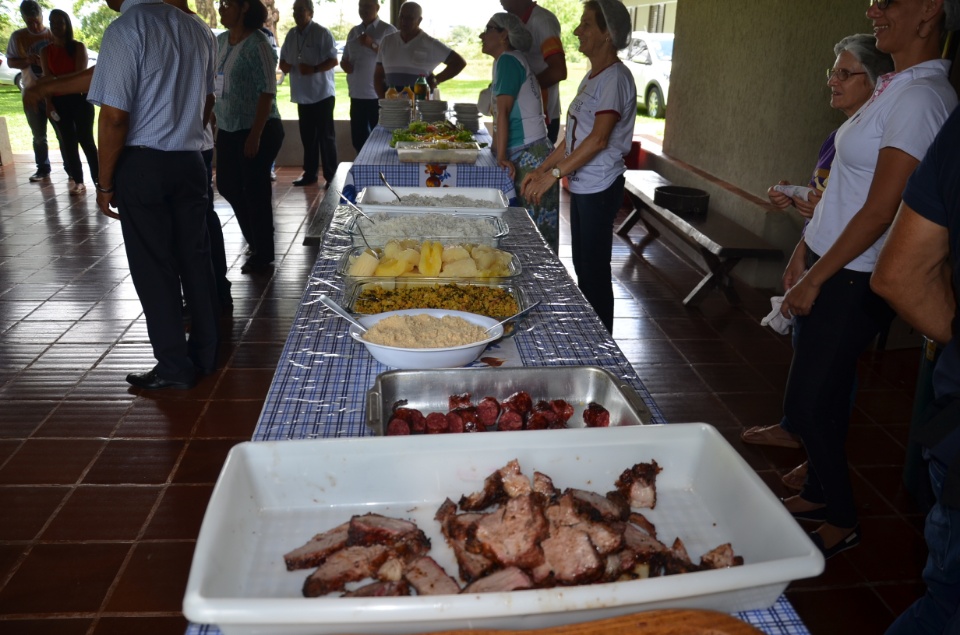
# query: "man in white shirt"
x,y
309,55
359,62
410,52
545,56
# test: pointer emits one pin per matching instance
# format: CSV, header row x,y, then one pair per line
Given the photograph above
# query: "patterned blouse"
x,y
244,72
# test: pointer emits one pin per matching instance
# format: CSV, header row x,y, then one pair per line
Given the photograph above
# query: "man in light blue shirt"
x,y
309,55
154,83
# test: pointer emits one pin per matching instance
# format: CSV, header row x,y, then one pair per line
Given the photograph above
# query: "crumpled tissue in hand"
x,y
775,319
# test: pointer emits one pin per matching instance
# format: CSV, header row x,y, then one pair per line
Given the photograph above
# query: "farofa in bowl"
x,y
483,300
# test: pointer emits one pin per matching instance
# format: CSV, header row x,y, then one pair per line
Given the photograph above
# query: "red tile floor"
x,y
102,488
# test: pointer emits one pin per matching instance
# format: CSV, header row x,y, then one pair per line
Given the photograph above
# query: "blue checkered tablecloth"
x,y
377,156
320,385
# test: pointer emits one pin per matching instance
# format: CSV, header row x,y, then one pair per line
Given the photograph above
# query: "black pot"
x,y
683,201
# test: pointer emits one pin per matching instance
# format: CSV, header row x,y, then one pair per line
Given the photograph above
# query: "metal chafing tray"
x,y
343,267
489,229
379,199
429,391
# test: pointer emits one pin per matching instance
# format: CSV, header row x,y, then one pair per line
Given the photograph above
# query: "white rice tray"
x,y
445,227
271,497
464,200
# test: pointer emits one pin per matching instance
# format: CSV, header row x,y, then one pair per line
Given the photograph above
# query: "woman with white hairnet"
x,y
599,133
519,130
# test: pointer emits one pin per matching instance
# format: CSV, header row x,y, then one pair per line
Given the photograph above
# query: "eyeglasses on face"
x,y
841,74
881,4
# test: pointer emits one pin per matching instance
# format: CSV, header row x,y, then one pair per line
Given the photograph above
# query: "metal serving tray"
x,y
343,266
429,391
273,496
379,199
359,285
493,228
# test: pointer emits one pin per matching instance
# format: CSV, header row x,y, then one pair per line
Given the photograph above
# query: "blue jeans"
x,y
37,119
938,611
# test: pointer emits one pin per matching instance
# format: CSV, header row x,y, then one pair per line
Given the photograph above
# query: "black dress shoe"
x,y
304,180
849,542
151,381
256,264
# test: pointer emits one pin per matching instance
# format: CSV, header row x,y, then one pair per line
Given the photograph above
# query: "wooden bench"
x,y
721,242
328,206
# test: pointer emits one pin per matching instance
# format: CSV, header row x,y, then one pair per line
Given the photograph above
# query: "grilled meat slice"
x,y
493,493
571,556
543,485
639,485
720,558
374,529
641,543
509,579
514,482
619,566
429,578
641,521
350,564
380,589
511,535
597,507
316,551
455,528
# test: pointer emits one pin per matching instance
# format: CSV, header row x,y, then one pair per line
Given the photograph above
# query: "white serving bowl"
x,y
427,358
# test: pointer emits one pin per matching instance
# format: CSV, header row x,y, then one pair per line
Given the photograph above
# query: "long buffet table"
x,y
377,156
320,384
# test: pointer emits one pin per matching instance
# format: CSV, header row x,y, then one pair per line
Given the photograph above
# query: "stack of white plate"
x,y
394,113
432,111
468,116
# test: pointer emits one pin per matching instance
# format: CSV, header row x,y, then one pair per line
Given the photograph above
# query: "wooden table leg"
x,y
718,276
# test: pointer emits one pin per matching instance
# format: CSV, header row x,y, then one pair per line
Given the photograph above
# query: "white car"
x,y
649,58
9,75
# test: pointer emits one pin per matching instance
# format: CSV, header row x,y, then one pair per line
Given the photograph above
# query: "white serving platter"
x,y
273,496
379,199
437,152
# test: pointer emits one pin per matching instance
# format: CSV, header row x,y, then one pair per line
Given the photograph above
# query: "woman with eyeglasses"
x,y
249,132
519,129
599,133
828,277
74,114
851,81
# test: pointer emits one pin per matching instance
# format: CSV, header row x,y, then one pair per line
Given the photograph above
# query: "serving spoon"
x,y
514,316
352,206
339,310
390,187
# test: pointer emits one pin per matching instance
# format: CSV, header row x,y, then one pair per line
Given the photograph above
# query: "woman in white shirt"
x,y
828,276
599,133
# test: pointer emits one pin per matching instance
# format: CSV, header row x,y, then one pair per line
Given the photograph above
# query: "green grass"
x,y
465,88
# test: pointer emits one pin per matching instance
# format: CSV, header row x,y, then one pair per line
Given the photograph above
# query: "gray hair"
x,y
416,8
951,15
30,9
520,38
863,46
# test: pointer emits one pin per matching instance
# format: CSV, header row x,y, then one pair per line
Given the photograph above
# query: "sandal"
x,y
850,541
795,478
774,436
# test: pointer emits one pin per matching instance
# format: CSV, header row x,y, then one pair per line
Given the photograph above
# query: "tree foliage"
x,y
95,16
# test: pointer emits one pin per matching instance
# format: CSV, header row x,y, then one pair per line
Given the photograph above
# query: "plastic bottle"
x,y
391,93
421,89
407,93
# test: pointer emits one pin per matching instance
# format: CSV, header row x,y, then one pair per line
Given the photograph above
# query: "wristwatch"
x,y
555,173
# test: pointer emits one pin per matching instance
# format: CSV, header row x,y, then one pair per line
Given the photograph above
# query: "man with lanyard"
x,y
545,56
309,55
918,273
359,61
410,52
154,83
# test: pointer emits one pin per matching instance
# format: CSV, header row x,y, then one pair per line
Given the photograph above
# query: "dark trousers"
x,y
218,250
591,236
162,198
37,120
553,130
364,115
845,318
318,138
76,131
246,185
